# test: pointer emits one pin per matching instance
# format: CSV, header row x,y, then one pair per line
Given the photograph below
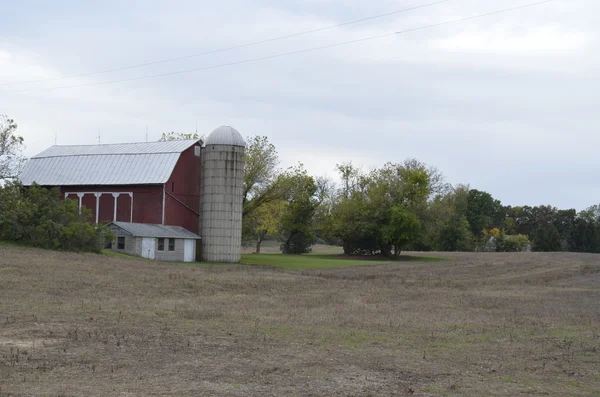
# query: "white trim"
x,y
163,204
80,195
116,196
98,195
131,214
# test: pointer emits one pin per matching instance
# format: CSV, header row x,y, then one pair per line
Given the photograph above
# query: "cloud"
x,y
505,103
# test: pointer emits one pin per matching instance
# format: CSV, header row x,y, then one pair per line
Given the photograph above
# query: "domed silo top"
x,y
225,135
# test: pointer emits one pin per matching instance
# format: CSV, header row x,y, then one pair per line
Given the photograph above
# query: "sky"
x,y
506,103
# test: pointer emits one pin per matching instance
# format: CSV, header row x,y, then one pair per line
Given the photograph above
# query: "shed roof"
x,y
160,231
114,164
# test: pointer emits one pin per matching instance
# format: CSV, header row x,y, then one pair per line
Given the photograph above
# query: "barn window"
x,y
171,244
161,244
121,243
197,151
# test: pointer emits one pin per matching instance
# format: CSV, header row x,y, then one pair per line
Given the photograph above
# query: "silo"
x,y
221,196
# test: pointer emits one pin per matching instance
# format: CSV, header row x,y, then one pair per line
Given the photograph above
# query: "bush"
x,y
517,243
37,216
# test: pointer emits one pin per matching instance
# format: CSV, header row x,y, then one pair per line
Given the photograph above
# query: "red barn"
x,y
153,182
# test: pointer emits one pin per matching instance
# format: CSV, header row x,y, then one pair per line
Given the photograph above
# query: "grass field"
x,y
474,325
314,261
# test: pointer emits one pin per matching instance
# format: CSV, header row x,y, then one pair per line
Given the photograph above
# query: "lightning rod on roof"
x,y
98,136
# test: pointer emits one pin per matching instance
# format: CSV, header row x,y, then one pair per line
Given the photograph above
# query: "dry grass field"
x,y
478,325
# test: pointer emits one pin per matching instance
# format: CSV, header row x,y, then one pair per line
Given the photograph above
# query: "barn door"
x,y
148,248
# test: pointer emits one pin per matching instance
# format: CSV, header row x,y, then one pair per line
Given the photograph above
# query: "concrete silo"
x,y
221,196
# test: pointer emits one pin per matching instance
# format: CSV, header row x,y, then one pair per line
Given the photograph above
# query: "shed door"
x,y
189,251
148,248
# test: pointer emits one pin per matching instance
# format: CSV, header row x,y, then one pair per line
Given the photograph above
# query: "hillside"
x,y
481,324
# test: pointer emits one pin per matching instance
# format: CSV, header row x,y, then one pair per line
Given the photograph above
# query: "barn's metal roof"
x,y
117,148
148,230
225,135
118,164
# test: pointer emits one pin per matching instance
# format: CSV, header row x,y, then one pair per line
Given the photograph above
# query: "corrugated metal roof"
x,y
117,148
225,135
120,164
160,231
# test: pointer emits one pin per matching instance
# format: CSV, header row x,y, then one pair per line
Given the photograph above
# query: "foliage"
x,y
11,149
516,243
297,231
264,222
379,212
482,211
37,216
263,182
456,235
177,136
547,239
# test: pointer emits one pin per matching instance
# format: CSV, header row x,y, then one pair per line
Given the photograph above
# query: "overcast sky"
x,y
506,103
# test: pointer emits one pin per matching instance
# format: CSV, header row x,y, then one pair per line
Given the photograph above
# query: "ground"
x,y
473,325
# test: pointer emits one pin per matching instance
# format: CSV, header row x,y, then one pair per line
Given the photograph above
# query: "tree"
x,y
547,239
177,136
265,222
482,211
404,228
456,235
263,181
11,149
380,212
297,222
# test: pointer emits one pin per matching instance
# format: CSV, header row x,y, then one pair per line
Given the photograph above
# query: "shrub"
x,y
37,216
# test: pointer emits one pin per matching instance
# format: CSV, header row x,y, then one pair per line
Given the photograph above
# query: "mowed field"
x,y
475,325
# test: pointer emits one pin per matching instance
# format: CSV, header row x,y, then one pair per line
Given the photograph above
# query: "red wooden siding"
x,y
182,201
147,202
184,184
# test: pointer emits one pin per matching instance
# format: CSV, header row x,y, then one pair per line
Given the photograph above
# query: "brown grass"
x,y
481,325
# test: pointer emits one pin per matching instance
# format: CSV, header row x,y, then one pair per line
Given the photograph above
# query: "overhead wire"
x,y
236,47
280,55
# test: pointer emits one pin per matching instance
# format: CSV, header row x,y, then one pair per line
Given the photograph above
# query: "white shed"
x,y
160,242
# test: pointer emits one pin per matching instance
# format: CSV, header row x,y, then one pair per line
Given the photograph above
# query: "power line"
x,y
139,65
251,60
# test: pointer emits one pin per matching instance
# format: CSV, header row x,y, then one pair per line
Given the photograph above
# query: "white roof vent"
x,y
225,135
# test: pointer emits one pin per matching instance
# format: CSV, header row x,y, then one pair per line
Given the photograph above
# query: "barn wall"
x,y
147,202
184,184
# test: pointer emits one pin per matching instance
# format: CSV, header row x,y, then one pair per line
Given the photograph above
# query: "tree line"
x,y
397,207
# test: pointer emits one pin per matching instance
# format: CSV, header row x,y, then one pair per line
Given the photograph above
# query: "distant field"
x,y
475,325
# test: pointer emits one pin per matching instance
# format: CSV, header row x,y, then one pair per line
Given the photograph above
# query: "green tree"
x,y
404,228
265,222
380,212
297,221
482,211
547,239
11,149
264,182
456,235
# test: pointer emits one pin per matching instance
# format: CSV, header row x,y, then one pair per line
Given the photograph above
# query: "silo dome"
x,y
225,135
